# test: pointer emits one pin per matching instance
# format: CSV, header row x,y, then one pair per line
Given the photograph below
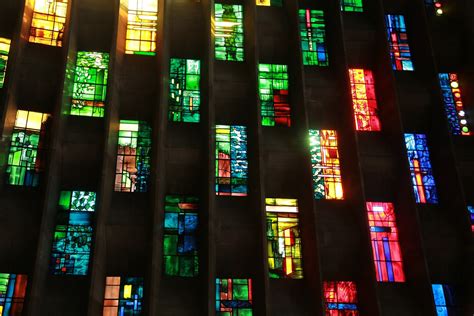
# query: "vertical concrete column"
x,y
255,156
207,218
308,217
158,172
105,187
350,158
38,280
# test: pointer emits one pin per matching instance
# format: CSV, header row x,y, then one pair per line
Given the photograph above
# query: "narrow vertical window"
x,y
363,100
180,249
185,93
327,182
385,247
269,3
313,37
340,298
352,6
12,293
133,157
422,177
273,91
26,159
231,160
90,84
453,104
73,233
470,209
234,297
49,19
400,54
283,239
228,30
4,51
123,296
142,24
444,299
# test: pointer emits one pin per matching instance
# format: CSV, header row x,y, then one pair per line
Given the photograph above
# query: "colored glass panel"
x,y
444,299
340,298
4,51
453,104
26,159
470,209
231,160
327,182
352,6
12,293
90,84
313,37
234,297
400,54
273,91
228,30
185,93
436,6
49,19
385,247
180,249
283,239
142,24
73,233
123,296
363,100
133,158
269,3
420,168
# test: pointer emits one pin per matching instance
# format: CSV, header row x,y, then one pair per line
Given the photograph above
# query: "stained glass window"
x,y
123,296
4,51
436,6
228,30
420,168
185,94
12,293
90,84
234,297
49,19
453,104
385,247
141,27
352,5
340,298
180,249
313,37
73,233
363,100
268,3
470,209
283,239
400,54
327,182
26,159
444,299
133,157
273,91
231,160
